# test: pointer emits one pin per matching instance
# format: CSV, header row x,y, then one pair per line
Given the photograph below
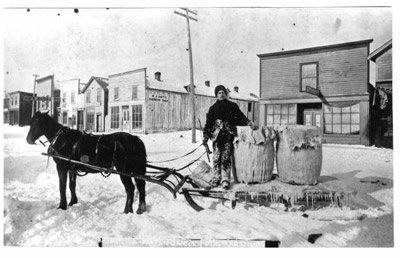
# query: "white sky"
x,y
225,41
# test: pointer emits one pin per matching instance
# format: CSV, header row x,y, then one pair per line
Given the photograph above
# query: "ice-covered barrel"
x,y
254,154
299,154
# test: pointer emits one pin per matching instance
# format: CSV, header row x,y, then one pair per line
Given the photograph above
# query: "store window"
x,y
137,117
284,114
90,121
64,118
344,119
309,76
114,117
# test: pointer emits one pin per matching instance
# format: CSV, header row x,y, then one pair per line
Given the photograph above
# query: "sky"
x,y
225,41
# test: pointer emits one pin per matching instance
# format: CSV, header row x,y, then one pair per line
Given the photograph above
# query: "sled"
x,y
166,177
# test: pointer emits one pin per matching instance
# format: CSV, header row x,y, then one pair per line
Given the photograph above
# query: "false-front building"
x,y
324,86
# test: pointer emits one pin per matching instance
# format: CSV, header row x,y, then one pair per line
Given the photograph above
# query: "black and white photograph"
x,y
204,125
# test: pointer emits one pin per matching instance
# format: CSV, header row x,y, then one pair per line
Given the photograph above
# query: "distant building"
x,y
382,101
48,96
138,104
20,108
6,107
324,86
95,100
72,104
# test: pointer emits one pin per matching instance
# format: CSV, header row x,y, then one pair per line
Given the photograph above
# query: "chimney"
x,y
207,83
157,76
236,89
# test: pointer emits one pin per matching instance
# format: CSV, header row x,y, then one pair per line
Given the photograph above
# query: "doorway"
x,y
312,117
98,123
125,118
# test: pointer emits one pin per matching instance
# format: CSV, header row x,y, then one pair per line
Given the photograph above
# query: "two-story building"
x,y
72,104
325,86
139,104
96,104
382,105
20,108
48,96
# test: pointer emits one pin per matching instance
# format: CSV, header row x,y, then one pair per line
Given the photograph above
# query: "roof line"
x,y
380,50
354,43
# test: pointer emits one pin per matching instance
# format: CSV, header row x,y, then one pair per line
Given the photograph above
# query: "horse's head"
x,y
38,124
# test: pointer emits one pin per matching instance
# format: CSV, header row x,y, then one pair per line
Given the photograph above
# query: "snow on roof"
x,y
161,85
209,91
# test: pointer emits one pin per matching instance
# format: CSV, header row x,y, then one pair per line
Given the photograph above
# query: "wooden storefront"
x,y
324,86
138,104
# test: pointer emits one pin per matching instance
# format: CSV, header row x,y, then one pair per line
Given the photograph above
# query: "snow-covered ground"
x,y
31,197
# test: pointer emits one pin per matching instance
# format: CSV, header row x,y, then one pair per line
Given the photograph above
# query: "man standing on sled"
x,y
220,128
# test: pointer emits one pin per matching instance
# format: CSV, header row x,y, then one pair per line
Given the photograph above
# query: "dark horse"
x,y
121,150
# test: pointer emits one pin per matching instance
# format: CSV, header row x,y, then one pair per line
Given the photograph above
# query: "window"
x,y
116,93
88,96
16,100
12,101
99,96
249,107
134,92
72,97
137,117
64,118
115,117
90,121
309,76
342,120
64,99
281,114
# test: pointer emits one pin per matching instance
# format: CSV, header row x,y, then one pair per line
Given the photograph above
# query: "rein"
x,y
168,160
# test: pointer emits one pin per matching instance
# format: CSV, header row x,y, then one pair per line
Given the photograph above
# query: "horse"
x,y
119,150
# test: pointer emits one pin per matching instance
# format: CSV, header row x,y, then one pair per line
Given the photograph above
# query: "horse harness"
x,y
83,158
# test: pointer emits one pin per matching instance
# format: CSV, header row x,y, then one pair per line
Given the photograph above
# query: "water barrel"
x,y
299,154
253,155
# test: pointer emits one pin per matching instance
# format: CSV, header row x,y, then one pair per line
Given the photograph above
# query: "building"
x,y
325,86
72,104
20,108
95,95
48,96
6,106
381,104
137,104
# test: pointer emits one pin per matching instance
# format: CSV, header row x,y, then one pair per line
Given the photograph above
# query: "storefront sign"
x,y
312,91
158,97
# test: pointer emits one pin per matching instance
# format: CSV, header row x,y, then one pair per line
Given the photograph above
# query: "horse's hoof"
x,y
72,202
126,211
141,208
62,207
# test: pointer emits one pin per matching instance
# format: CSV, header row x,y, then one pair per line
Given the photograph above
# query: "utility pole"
x,y
186,15
34,98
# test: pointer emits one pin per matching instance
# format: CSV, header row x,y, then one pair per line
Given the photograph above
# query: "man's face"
x,y
221,95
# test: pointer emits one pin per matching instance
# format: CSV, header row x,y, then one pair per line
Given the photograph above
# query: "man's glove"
x,y
252,125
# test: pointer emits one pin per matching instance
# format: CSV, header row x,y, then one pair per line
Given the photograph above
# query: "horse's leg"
x,y
141,185
72,186
62,178
130,190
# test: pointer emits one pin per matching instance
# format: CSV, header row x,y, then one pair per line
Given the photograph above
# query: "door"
x,y
312,117
98,123
80,121
125,118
